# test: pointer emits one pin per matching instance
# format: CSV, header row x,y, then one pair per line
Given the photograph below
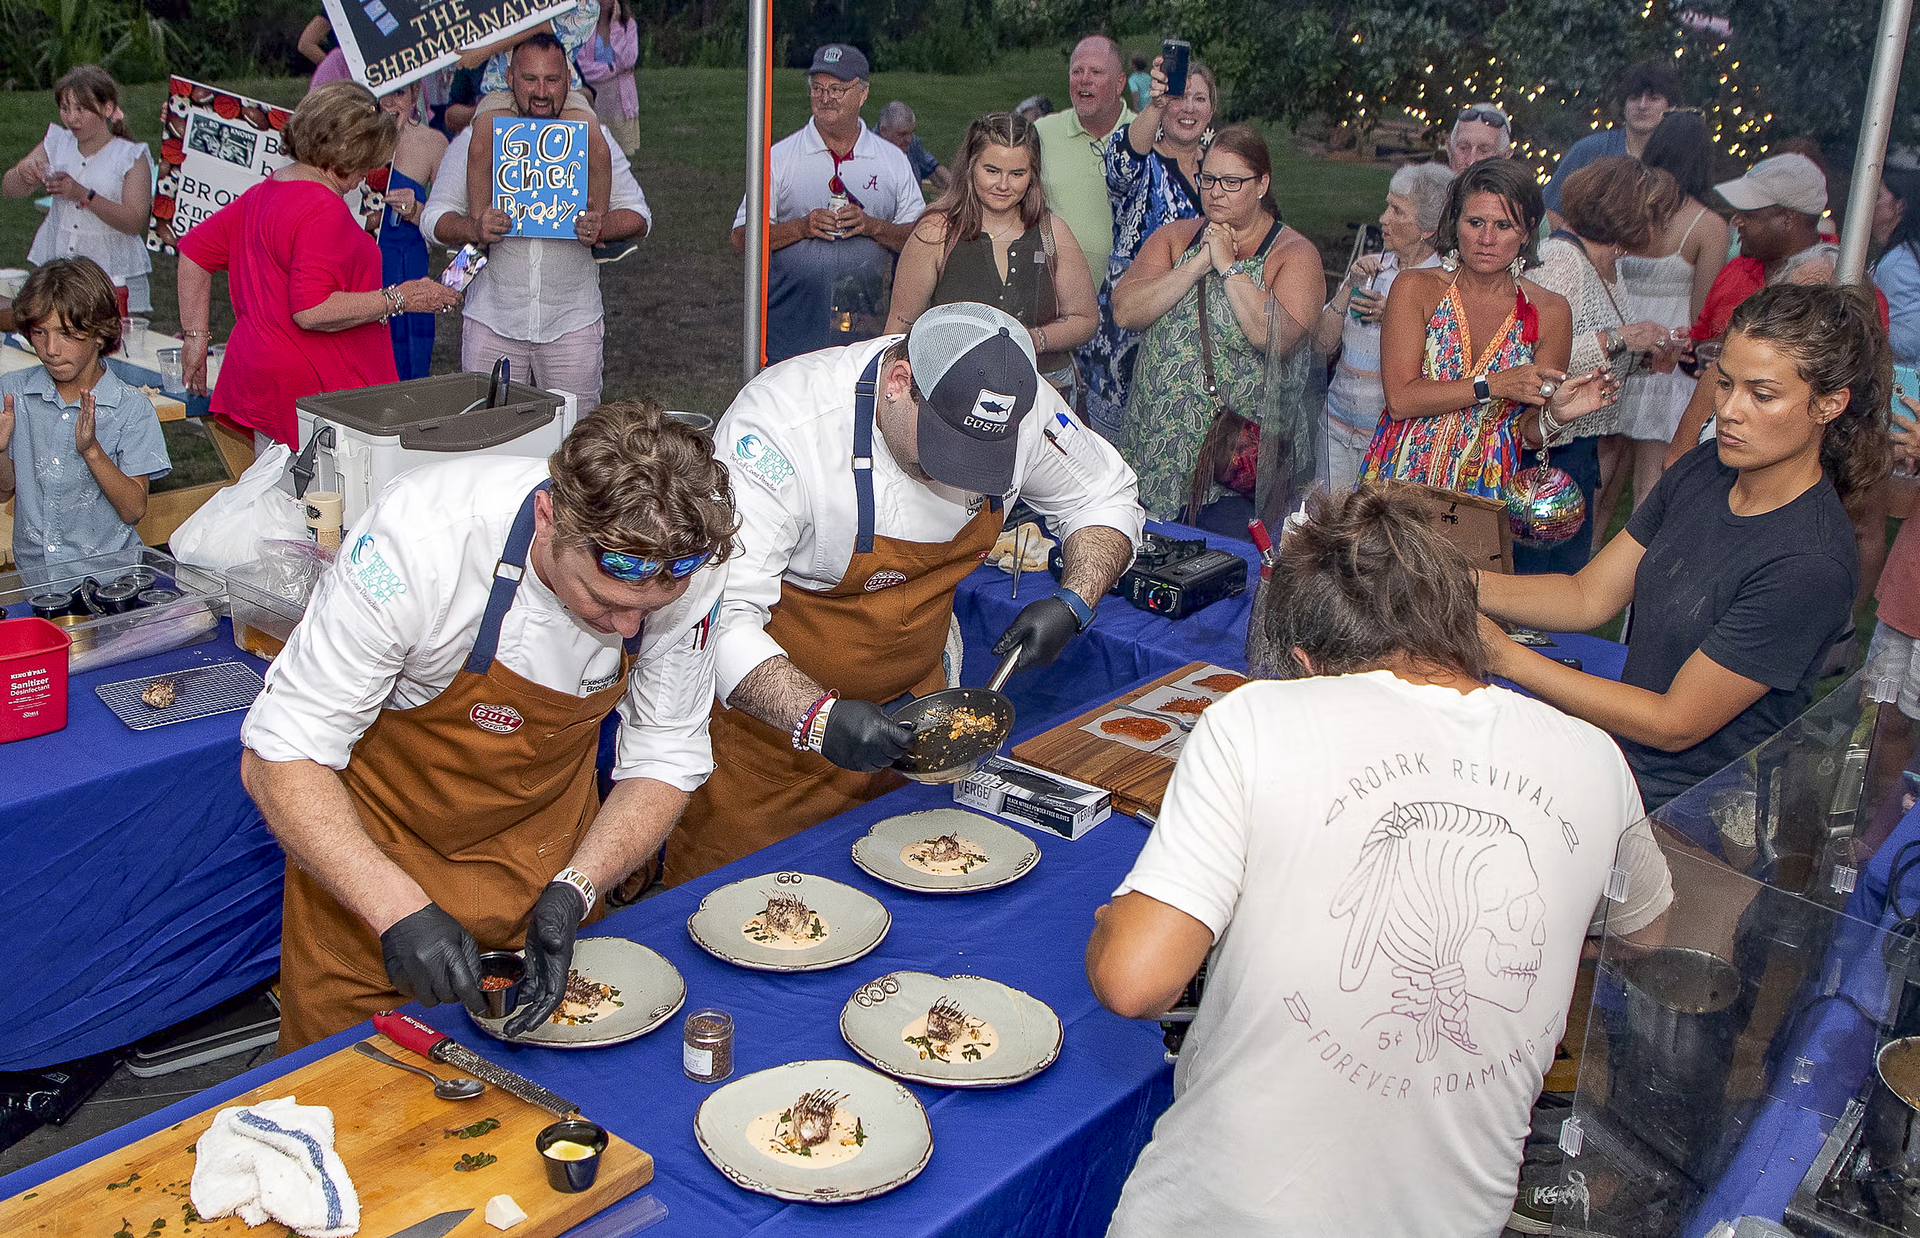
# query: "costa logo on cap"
x,y
500,719
992,407
885,578
831,55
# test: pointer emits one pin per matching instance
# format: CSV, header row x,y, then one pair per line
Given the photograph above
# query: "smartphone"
x,y
1906,382
1174,55
469,262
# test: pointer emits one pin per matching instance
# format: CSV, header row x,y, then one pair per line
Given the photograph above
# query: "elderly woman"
x,y
1609,208
1150,169
1415,197
991,239
303,274
1213,296
1471,353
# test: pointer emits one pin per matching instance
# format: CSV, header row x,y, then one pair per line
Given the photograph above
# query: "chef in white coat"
x,y
870,480
424,749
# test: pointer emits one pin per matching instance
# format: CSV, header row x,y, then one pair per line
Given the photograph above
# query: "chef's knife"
x,y
434,1226
410,1033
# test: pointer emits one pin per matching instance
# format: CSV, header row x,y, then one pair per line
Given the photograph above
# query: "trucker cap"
x,y
1790,180
839,60
974,364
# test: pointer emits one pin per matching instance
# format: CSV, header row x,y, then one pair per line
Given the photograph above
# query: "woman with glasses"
x,y
1472,355
990,239
1150,169
426,751
1212,297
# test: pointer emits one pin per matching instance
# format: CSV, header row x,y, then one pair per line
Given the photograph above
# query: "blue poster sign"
x,y
540,174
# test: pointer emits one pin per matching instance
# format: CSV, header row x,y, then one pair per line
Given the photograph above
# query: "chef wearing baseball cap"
x,y
869,480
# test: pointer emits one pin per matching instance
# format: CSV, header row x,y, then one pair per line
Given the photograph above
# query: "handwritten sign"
x,y
540,174
216,145
389,43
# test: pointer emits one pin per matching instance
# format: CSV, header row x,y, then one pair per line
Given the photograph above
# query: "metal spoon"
x,y
445,1089
1185,724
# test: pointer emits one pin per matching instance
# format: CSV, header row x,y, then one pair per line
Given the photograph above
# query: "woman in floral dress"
x,y
1150,169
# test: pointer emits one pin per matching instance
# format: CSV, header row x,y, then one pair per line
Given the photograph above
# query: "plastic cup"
x,y
172,376
133,335
571,1174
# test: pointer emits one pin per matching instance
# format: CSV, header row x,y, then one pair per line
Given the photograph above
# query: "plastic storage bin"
x,y
262,618
171,605
33,678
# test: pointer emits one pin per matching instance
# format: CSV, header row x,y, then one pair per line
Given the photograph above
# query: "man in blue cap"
x,y
841,201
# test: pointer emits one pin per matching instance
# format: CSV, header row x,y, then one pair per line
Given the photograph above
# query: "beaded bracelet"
x,y
803,729
396,301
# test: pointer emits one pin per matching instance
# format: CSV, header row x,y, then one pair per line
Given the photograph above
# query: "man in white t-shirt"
x,y
841,202
1393,867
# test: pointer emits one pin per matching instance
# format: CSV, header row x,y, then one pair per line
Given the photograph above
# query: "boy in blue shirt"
x,y
77,445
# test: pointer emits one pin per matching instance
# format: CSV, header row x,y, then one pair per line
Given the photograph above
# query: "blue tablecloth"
x,y
140,885
1045,1158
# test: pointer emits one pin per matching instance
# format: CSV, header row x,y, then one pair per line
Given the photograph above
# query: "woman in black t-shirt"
x,y
1741,564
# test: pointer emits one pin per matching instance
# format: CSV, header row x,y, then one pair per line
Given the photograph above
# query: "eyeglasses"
x,y
1231,184
634,569
831,93
1486,114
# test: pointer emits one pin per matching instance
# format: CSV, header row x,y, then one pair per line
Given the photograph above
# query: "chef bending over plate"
x,y
424,749
870,480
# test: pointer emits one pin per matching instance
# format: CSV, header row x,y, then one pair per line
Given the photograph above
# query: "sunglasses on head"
x,y
634,569
1486,116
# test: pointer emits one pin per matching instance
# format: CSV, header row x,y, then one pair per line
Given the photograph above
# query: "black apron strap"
x,y
506,582
863,393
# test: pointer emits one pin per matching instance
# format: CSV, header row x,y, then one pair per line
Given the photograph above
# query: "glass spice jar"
x,y
707,1054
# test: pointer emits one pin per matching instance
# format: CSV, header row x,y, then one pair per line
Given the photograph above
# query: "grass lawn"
x,y
673,309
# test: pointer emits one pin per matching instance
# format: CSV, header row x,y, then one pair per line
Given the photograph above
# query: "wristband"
x,y
817,733
91,195
1082,613
581,882
802,736
1481,391
1042,333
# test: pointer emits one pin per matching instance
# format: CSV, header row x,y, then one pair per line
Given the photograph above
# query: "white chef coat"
x,y
393,620
787,441
878,174
533,289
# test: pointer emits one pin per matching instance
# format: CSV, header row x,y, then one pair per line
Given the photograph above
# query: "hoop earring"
x,y
1517,267
1450,261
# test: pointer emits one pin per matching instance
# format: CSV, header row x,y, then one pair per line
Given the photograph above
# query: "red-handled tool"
x,y
413,1035
1257,530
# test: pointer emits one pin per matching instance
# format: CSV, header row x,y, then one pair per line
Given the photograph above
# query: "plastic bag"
x,y
229,527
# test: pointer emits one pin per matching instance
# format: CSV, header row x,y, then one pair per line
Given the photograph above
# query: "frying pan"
x,y
936,755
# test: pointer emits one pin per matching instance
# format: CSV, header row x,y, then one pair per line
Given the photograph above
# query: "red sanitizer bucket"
x,y
33,678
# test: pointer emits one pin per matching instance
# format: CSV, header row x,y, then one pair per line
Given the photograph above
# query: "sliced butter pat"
x,y
503,1213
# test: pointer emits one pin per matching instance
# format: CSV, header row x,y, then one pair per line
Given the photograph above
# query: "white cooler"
x,y
377,433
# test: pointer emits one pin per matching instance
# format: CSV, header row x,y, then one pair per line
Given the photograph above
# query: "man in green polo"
x,y
1073,166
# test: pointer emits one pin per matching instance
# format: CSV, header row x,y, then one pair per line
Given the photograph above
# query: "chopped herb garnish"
x,y
126,1228
805,1151
131,1179
859,1134
473,1161
819,929
29,1195
471,1132
971,1053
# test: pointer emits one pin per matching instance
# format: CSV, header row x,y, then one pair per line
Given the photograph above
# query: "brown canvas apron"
x,y
876,634
480,795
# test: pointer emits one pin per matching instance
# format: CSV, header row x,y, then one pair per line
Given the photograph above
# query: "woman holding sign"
x,y
303,274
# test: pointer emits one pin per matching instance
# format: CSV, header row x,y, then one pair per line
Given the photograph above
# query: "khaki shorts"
x,y
502,101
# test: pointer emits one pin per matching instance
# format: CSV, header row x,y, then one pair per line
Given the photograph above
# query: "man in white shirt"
x,y
841,203
870,480
1394,867
1073,169
538,301
424,749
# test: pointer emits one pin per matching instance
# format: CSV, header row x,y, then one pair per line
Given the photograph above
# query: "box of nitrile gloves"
x,y
1034,797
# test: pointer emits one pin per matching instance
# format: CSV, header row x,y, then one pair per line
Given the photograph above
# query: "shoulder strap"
x,y
863,394
1691,224
507,572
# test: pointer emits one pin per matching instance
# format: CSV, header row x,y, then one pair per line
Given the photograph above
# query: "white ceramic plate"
x,y
651,988
1010,854
856,922
875,1017
898,1139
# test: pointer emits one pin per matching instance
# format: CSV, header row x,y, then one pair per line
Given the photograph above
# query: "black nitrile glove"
x,y
432,959
862,738
550,929
1041,630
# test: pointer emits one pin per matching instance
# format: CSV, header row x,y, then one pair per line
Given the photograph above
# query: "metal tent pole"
x,y
1875,121
759,74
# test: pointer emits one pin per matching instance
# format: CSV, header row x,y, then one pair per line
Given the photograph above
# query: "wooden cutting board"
x,y
390,1132
1135,778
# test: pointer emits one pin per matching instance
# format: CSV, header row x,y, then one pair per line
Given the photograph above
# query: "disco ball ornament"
x,y
1545,506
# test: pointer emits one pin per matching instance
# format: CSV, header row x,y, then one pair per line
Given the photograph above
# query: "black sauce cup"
x,y
571,1177
508,965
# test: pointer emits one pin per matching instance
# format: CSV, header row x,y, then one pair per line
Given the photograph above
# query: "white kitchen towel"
x,y
275,1161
